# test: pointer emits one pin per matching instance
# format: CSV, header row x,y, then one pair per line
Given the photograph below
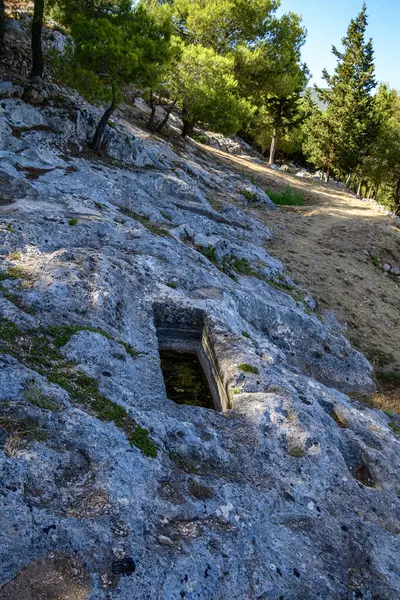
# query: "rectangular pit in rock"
x,y
188,360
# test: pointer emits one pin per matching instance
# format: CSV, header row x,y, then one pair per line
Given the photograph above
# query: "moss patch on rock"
x,y
39,350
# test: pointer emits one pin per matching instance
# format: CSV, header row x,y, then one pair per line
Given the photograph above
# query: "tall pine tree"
x,y
350,126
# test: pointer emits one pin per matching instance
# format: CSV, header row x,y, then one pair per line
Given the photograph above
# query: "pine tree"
x,y
350,126
107,52
203,85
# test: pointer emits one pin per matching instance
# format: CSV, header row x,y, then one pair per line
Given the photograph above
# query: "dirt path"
x,y
325,247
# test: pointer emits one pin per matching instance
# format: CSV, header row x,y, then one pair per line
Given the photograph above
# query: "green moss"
x,y
73,221
16,300
34,394
145,221
297,452
38,351
395,427
140,438
13,273
246,335
172,285
242,266
99,206
210,254
166,215
280,285
251,197
63,333
375,261
246,368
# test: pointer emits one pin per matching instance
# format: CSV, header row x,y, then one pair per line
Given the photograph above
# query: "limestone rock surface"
x,y
290,493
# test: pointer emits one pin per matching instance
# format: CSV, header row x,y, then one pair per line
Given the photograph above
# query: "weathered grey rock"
x,y
291,492
8,90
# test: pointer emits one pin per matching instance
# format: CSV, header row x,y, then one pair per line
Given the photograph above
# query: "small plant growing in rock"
x,y
73,221
375,261
246,368
251,197
246,335
172,285
10,228
297,452
35,394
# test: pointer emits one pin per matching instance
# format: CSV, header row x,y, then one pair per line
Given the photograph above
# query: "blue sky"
x,y
327,21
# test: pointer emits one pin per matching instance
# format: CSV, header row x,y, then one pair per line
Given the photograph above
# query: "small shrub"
x,y
288,197
200,137
375,261
297,452
251,197
246,335
165,215
246,368
209,253
172,285
10,228
73,221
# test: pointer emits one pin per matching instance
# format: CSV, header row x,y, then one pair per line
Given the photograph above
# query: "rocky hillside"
x,y
109,490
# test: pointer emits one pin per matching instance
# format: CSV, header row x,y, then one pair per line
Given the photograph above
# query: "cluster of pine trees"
x,y
229,66
356,135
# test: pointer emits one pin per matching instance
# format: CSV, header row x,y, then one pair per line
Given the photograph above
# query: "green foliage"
x,y
210,254
251,197
288,197
73,221
218,24
109,49
204,85
394,427
246,335
341,137
248,368
297,452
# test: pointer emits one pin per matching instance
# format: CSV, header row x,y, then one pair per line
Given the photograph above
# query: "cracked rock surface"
x,y
291,492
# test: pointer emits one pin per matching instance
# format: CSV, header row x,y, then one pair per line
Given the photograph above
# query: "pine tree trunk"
x,y
188,124
359,189
37,25
153,104
99,133
397,198
2,18
165,119
328,174
274,143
